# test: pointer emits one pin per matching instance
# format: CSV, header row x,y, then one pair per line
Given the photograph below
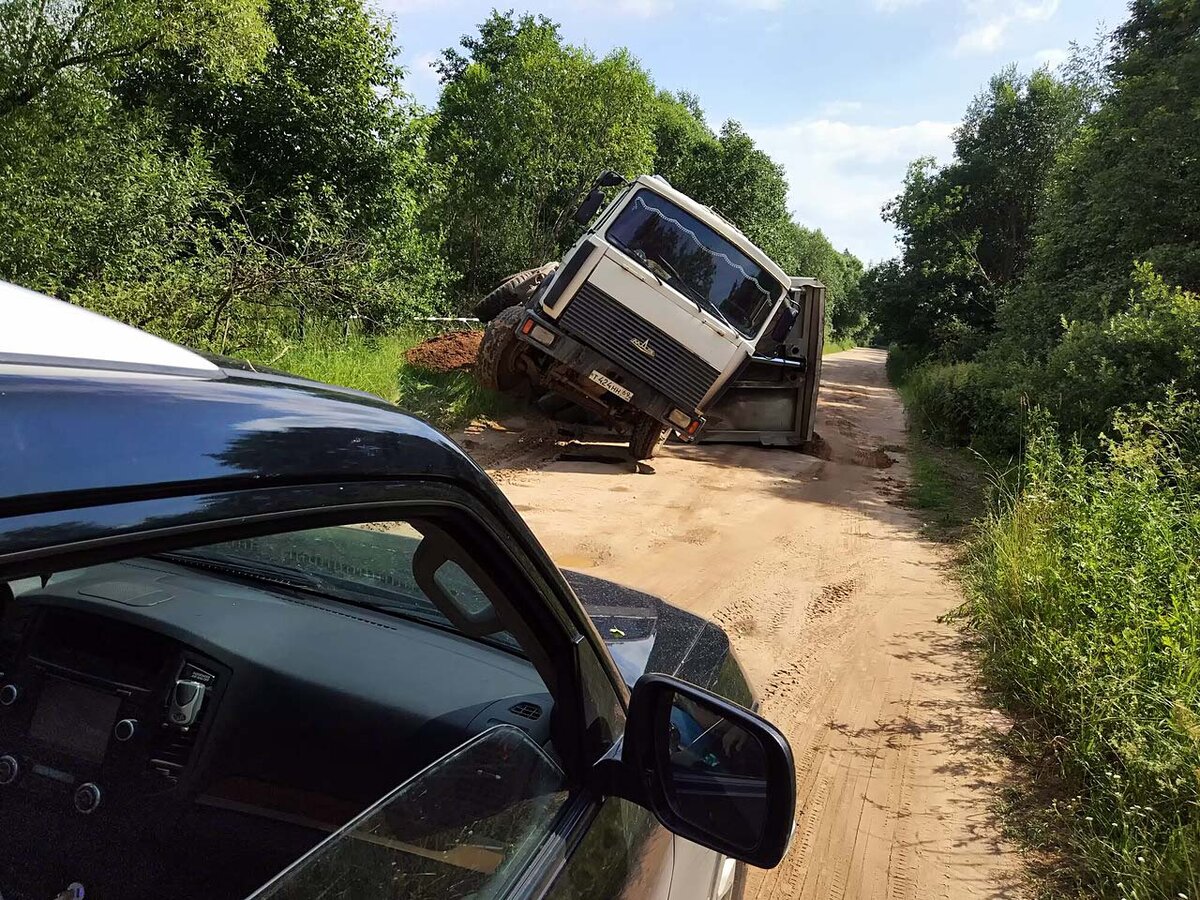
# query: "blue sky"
x,y
843,94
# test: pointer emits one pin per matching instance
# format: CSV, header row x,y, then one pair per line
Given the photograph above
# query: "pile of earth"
x,y
449,352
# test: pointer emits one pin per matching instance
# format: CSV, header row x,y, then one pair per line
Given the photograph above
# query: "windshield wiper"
x,y
720,315
704,303
637,256
283,576
258,571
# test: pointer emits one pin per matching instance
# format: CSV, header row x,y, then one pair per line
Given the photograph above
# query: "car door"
x,y
578,812
566,827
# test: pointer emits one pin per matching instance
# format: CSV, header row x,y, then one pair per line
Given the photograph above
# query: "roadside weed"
x,y
1085,588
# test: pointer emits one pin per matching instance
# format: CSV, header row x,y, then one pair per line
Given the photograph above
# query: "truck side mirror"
x,y
589,207
609,178
709,770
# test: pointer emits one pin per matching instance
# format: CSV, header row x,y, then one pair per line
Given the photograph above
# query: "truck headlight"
x,y
537,332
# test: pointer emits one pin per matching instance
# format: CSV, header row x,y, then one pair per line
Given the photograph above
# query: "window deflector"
x,y
466,825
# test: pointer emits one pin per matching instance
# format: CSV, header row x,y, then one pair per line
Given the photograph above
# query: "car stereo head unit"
x,y
74,719
93,703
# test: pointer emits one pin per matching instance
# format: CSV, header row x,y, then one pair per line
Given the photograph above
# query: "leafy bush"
x,y
1134,357
1131,358
968,404
902,359
1086,592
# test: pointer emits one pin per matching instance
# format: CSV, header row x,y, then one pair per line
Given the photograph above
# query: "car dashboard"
x,y
166,731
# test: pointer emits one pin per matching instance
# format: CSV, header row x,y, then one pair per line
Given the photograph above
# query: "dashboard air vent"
x,y
526,710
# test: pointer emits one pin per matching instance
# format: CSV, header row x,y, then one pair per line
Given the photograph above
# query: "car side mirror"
x,y
710,771
589,207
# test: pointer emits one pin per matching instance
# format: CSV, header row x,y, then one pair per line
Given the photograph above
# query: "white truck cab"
x,y
651,315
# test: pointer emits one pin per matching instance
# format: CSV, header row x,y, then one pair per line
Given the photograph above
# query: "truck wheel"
x,y
647,436
496,364
514,292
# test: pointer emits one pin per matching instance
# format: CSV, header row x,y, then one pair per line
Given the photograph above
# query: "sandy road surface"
x,y
831,598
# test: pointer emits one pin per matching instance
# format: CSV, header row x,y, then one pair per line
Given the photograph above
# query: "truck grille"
x,y
609,327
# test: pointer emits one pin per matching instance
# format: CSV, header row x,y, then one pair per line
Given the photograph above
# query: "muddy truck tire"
x,y
513,292
647,436
496,365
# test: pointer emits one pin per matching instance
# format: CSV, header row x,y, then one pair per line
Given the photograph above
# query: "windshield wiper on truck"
x,y
703,303
637,256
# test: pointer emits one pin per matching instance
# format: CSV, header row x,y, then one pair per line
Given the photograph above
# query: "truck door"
x,y
812,313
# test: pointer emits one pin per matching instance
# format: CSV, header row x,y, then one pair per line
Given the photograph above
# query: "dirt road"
x,y
832,599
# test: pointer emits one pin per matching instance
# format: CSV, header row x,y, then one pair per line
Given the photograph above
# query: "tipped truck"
x,y
662,317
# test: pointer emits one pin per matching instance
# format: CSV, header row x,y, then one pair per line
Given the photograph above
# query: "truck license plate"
x,y
609,385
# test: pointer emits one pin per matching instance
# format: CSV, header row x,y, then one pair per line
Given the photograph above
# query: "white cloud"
x,y
646,9
840,174
643,8
993,20
1051,56
836,108
423,66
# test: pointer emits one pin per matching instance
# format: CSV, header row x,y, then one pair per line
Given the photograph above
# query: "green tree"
x,y
679,131
525,122
326,114
966,228
49,41
1128,189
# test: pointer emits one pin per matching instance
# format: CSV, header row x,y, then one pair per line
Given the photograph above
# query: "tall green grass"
x,y
838,345
1085,588
377,365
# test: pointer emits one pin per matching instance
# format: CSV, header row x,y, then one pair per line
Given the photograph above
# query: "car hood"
x,y
645,633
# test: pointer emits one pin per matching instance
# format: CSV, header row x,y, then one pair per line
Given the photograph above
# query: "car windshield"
x,y
369,565
695,260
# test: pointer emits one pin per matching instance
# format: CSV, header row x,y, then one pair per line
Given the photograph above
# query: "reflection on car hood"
x,y
645,633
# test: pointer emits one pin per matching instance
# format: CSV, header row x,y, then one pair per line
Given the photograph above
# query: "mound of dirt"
x,y
447,352
818,447
873,459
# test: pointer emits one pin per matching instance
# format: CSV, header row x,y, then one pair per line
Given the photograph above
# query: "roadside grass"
x,y
951,486
377,365
949,489
1084,588
1082,580
837,346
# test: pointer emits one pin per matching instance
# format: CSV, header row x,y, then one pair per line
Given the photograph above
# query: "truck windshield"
x,y
696,261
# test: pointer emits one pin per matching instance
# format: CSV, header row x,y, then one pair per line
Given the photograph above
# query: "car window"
x,y
370,563
461,828
192,723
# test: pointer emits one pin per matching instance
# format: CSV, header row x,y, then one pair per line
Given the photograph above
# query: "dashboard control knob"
x,y
9,770
125,729
87,798
9,694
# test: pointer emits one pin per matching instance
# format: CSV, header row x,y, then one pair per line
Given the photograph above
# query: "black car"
x,y
265,637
